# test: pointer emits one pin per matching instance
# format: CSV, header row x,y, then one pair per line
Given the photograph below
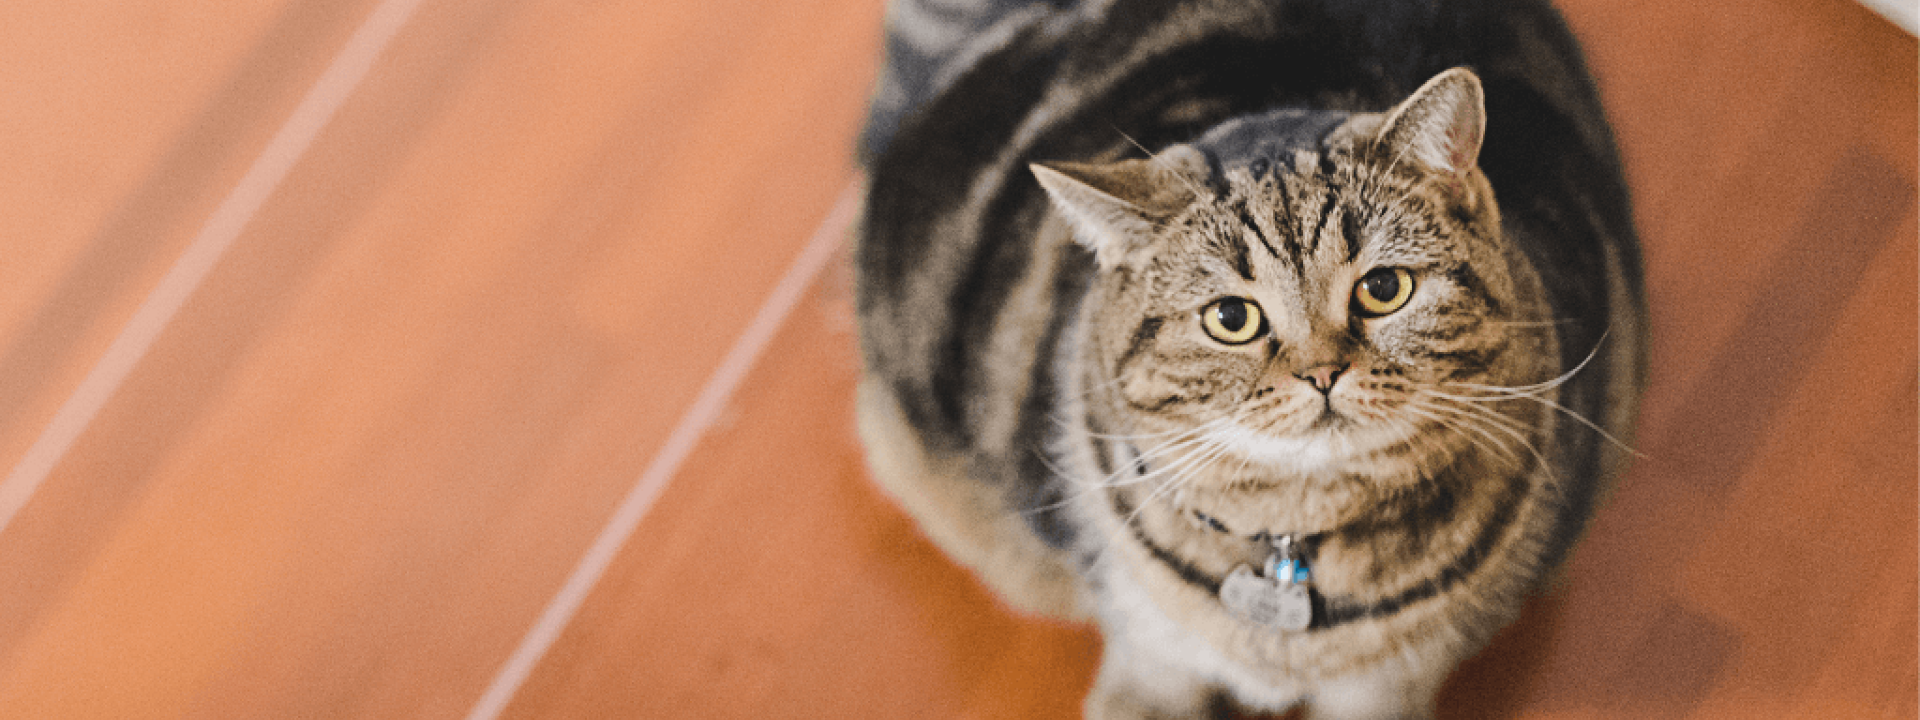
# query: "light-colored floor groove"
x,y
342,76
686,435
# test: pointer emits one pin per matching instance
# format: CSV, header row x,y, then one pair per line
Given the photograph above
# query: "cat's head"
x,y
1309,311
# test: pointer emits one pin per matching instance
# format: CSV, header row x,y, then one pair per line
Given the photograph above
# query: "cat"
x,y
1291,342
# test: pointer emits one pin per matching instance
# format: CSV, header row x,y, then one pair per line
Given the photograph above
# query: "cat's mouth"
x,y
1329,420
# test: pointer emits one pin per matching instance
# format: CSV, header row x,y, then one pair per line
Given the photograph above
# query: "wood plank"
x,y
349,475
125,123
773,580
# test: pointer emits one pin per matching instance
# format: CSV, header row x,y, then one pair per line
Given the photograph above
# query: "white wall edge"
x,y
1901,12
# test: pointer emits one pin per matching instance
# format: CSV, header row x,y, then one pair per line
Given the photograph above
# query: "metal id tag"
x,y
1267,601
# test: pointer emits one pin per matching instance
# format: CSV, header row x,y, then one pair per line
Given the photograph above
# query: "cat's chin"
x,y
1325,450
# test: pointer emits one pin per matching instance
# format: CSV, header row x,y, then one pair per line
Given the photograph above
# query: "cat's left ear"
x,y
1439,128
1116,207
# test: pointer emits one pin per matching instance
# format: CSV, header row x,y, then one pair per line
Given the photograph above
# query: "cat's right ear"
x,y
1440,127
1116,207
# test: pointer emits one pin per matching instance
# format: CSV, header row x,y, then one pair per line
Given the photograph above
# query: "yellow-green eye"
x,y
1234,321
1382,291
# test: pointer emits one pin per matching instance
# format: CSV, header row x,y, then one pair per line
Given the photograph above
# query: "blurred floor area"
x,y
334,334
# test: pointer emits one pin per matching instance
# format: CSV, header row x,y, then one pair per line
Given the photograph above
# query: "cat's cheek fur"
x,y
1176,381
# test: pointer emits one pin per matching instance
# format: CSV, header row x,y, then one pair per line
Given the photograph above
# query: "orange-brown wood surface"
x,y
351,474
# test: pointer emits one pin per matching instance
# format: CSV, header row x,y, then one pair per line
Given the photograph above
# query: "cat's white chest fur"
x,y
1157,650
1310,456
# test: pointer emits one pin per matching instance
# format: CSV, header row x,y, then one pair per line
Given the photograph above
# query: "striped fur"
x,y
1042,394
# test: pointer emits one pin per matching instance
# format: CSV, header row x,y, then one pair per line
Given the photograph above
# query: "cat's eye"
x,y
1234,321
1382,291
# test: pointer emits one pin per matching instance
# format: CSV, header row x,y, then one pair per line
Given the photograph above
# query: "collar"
x,y
1306,543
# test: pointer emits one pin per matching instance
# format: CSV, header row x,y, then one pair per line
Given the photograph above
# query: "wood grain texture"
x,y
360,460
374,443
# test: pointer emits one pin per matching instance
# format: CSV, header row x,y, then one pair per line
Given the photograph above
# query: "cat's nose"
x,y
1323,376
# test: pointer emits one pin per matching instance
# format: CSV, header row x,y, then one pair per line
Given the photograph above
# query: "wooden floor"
x,y
400,359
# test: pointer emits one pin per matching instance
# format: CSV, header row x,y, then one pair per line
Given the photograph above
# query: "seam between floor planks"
x,y
315,111
686,435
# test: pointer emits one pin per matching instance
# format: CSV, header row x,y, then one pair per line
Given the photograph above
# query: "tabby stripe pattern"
x,y
972,289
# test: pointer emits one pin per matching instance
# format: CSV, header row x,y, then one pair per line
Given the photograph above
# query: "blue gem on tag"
x,y
1293,571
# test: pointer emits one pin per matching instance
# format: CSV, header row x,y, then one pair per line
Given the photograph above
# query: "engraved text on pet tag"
x,y
1267,601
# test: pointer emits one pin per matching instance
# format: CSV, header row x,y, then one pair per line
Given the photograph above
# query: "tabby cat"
x,y
1292,342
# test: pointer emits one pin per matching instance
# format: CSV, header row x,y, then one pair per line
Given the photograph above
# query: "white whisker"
x,y
1181,441
1464,425
1198,192
1174,477
1534,393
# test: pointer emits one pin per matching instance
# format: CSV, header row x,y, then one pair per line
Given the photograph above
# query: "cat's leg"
x,y
1134,684
1379,696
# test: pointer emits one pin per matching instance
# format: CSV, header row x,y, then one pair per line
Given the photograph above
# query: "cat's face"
x,y
1316,316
